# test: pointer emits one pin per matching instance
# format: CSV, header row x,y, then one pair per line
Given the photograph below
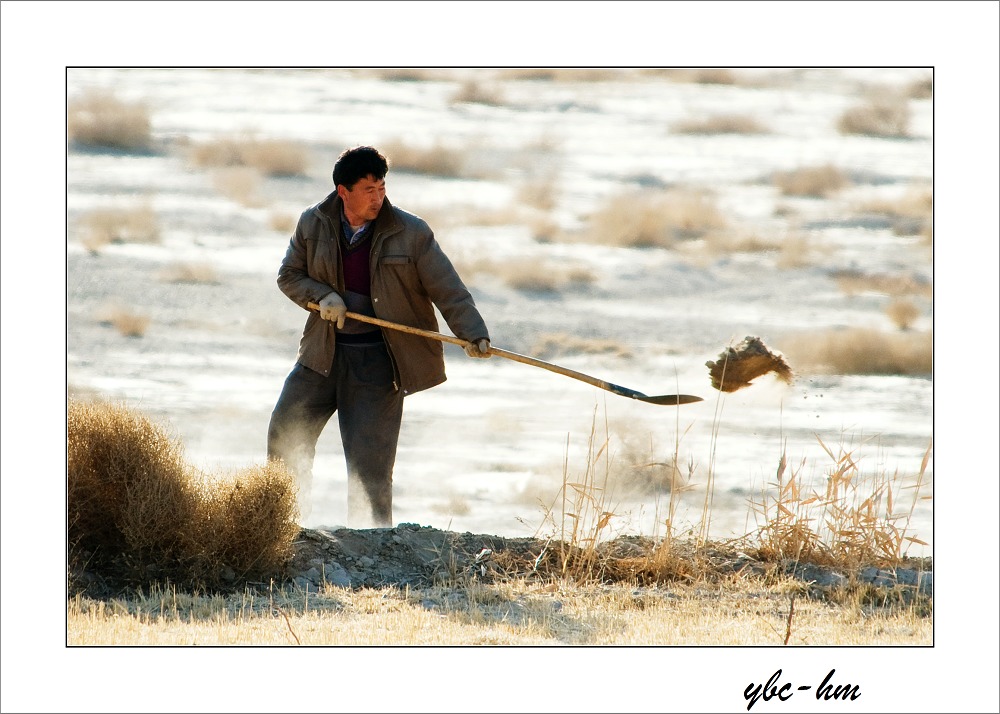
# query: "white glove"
x,y
479,348
332,308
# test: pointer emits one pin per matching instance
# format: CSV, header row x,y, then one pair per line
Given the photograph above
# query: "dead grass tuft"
x,y
99,119
270,157
239,183
853,282
723,124
282,222
862,351
812,181
472,92
102,226
128,322
438,160
652,219
854,519
902,312
911,214
884,115
134,505
559,344
193,273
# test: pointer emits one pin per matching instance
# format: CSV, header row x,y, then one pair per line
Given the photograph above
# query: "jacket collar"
x,y
332,207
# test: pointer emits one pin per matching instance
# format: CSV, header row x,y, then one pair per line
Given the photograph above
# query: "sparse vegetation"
x,y
239,183
722,124
886,114
282,222
862,351
811,181
472,92
653,219
133,500
854,282
99,119
911,214
269,157
553,345
438,160
194,273
135,224
902,312
129,323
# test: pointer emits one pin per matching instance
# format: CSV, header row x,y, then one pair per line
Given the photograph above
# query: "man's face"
x,y
363,201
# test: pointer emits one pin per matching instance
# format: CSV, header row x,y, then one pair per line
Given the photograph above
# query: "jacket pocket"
x,y
396,260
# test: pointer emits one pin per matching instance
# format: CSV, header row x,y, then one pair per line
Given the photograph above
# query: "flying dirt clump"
x,y
737,366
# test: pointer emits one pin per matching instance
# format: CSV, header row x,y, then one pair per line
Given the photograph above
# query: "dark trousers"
x,y
370,409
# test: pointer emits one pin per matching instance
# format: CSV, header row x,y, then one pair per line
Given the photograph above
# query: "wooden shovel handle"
x,y
666,399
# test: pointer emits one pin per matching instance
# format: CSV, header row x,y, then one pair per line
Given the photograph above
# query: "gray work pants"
x,y
370,409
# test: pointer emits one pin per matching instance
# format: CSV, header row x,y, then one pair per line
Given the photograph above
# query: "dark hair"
x,y
357,163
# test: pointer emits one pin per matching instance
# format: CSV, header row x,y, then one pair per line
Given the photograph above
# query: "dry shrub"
x,y
99,119
127,322
282,222
245,522
535,276
698,75
270,157
652,219
194,273
438,160
127,486
561,74
902,312
884,115
557,344
862,351
240,184
724,124
814,181
102,226
133,503
854,519
911,214
853,282
472,92
920,89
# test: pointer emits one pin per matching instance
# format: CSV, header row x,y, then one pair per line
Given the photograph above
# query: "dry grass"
x,y
552,345
653,219
282,222
853,282
903,313
562,74
99,119
191,273
697,75
438,160
884,115
811,181
128,322
911,214
101,226
853,519
723,124
472,92
132,500
239,183
746,612
861,351
269,157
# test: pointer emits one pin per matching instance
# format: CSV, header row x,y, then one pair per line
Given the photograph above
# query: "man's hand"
x,y
479,348
332,308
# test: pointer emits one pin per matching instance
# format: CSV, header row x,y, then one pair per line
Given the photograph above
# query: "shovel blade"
x,y
671,399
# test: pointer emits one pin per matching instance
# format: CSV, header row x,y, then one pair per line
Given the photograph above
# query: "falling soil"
x,y
738,366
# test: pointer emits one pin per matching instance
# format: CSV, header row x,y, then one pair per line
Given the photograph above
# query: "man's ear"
x,y
341,190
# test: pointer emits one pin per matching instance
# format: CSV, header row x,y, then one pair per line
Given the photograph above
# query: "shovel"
x,y
663,399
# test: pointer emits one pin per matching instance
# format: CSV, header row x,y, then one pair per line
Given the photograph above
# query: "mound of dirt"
x,y
736,367
410,555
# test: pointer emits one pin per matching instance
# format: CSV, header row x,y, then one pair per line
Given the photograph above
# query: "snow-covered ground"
x,y
478,452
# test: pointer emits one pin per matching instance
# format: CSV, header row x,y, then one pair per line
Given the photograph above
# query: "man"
x,y
355,251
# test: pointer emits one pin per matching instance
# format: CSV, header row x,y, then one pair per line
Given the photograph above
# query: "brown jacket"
x,y
409,275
